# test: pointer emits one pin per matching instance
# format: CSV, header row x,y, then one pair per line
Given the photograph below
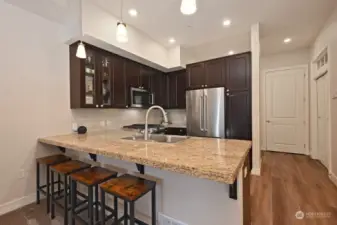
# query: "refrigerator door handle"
x,y
201,113
205,113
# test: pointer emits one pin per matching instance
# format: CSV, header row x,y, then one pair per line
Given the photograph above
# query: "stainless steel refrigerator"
x,y
206,112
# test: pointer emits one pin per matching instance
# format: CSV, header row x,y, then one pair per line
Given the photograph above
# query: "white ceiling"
x,y
161,19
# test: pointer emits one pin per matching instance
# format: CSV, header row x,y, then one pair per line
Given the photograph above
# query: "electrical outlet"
x,y
22,174
74,127
165,220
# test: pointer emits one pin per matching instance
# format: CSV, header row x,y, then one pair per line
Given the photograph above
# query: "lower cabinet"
x,y
238,115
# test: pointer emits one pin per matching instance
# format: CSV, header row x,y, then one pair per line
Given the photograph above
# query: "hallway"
x,y
291,183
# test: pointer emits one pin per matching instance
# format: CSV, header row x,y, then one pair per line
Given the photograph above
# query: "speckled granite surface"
x,y
213,159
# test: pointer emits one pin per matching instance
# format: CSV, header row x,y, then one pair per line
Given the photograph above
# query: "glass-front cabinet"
x,y
90,77
105,81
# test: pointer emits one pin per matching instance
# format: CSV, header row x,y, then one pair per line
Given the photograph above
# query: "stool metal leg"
x,y
65,200
132,213
52,196
37,183
125,213
154,210
96,204
48,189
102,207
73,200
59,184
90,205
116,208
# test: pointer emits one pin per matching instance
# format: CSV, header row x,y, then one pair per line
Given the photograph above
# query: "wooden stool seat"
x,y
69,167
128,187
53,159
93,176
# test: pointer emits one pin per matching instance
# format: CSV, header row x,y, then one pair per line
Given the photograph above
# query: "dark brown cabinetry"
x,y
118,84
238,72
196,75
176,82
238,115
159,88
215,73
207,74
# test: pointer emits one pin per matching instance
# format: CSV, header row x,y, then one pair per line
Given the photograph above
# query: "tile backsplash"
x,y
97,119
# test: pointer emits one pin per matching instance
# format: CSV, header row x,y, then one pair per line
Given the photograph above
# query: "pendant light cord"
x,y
122,11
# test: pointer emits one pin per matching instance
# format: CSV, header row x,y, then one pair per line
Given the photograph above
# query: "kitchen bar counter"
x,y
212,159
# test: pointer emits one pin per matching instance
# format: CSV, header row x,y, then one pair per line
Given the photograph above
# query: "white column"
x,y
255,46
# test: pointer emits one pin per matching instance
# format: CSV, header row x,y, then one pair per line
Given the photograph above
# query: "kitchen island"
x,y
216,161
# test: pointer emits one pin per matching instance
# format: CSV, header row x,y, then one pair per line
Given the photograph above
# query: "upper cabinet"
x,y
206,74
215,73
103,79
132,74
238,72
176,85
196,75
119,84
232,72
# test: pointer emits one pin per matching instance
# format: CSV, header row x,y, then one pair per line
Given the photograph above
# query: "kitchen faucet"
x,y
147,115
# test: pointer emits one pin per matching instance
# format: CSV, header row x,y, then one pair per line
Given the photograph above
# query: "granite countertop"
x,y
214,159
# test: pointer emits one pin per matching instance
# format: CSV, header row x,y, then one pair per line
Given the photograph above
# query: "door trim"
x,y
264,103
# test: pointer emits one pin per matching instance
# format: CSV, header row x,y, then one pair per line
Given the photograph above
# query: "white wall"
x,y
99,28
256,116
275,61
34,96
327,39
220,48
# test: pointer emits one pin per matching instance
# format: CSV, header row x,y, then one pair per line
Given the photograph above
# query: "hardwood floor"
x,y
291,183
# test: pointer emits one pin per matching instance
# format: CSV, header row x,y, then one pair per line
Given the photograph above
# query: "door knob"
x,y
96,106
102,106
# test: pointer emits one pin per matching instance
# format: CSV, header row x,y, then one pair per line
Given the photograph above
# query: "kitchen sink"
x,y
157,138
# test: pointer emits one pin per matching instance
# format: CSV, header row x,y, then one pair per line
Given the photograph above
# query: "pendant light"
x,y
80,53
121,32
188,7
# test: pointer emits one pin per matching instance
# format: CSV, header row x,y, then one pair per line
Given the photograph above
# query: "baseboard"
x,y
256,171
333,178
17,203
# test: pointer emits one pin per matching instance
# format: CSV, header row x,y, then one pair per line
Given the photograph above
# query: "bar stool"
x,y
91,178
128,188
65,169
45,189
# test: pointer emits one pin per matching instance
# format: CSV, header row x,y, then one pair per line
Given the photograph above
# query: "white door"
x,y
285,114
322,119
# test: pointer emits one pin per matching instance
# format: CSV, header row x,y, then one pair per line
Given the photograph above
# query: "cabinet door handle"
x,y
102,106
96,106
206,85
126,106
227,90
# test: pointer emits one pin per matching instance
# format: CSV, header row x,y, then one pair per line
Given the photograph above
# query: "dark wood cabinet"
x,y
118,85
215,73
238,72
176,83
159,88
132,74
85,79
196,75
238,115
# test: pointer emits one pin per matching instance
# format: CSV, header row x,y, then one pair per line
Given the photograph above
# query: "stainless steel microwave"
x,y
141,98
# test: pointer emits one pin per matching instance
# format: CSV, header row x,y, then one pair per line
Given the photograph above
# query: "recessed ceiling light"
x,y
133,12
172,40
287,40
227,23
231,53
